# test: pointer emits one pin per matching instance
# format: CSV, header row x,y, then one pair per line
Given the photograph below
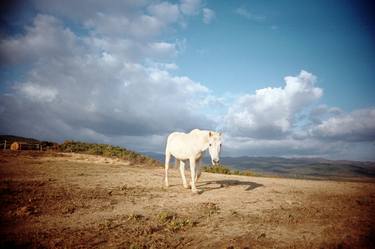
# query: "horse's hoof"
x,y
186,186
196,191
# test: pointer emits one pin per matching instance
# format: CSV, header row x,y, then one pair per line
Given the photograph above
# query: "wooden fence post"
x,y
5,144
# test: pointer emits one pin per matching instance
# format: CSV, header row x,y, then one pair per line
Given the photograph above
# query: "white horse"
x,y
191,146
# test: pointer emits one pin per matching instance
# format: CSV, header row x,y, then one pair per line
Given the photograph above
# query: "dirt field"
x,y
79,201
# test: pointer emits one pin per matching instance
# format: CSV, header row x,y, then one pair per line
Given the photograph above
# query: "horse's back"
x,y
195,131
175,135
179,145
175,138
184,138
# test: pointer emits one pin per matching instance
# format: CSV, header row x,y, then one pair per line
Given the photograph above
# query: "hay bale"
x,y
20,146
15,146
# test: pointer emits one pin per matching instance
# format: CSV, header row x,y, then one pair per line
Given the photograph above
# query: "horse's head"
x,y
214,146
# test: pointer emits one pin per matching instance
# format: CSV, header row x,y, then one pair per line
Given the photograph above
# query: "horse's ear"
x,y
209,134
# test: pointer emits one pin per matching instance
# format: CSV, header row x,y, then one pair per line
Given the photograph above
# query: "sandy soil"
x,y
51,200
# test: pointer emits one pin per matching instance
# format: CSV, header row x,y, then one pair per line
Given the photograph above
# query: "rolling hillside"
x,y
309,168
10,139
313,168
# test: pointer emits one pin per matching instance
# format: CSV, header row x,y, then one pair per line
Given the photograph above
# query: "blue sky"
x,y
328,38
279,78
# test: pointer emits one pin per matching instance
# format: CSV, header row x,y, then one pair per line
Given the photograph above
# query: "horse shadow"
x,y
206,186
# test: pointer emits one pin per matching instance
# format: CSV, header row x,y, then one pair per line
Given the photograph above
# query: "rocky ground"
x,y
52,200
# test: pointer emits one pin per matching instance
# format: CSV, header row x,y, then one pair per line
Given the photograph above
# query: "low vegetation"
x,y
107,151
122,153
173,222
221,169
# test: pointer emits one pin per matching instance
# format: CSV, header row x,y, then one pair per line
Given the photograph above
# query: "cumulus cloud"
x,y
96,86
80,11
122,99
138,27
322,112
307,147
208,15
287,146
357,126
190,7
162,49
38,93
242,11
270,112
42,40
129,18
165,11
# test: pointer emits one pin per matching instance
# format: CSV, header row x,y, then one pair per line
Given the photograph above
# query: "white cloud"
x,y
145,25
92,95
133,51
242,11
208,15
170,66
161,66
37,92
308,147
270,112
165,11
42,40
137,27
162,49
190,7
98,85
80,11
358,125
322,112
287,146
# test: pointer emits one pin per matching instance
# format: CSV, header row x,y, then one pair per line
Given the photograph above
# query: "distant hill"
x,y
10,139
314,168
106,150
7,140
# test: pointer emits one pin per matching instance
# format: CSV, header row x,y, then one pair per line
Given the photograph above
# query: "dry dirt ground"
x,y
51,200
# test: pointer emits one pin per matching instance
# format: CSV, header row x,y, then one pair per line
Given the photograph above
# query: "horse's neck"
x,y
203,140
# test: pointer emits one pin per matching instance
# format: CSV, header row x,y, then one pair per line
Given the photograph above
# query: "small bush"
x,y
172,222
221,169
248,173
166,216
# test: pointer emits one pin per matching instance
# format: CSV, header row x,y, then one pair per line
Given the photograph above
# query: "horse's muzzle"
x,y
215,162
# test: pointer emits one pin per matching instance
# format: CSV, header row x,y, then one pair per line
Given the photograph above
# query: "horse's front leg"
x,y
199,169
181,165
192,173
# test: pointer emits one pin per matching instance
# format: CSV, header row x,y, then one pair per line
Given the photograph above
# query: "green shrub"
x,y
107,151
248,173
221,169
217,169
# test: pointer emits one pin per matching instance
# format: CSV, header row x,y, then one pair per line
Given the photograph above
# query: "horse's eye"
x,y
210,144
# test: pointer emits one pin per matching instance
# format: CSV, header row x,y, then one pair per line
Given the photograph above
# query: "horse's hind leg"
x,y
181,164
198,169
192,173
167,159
